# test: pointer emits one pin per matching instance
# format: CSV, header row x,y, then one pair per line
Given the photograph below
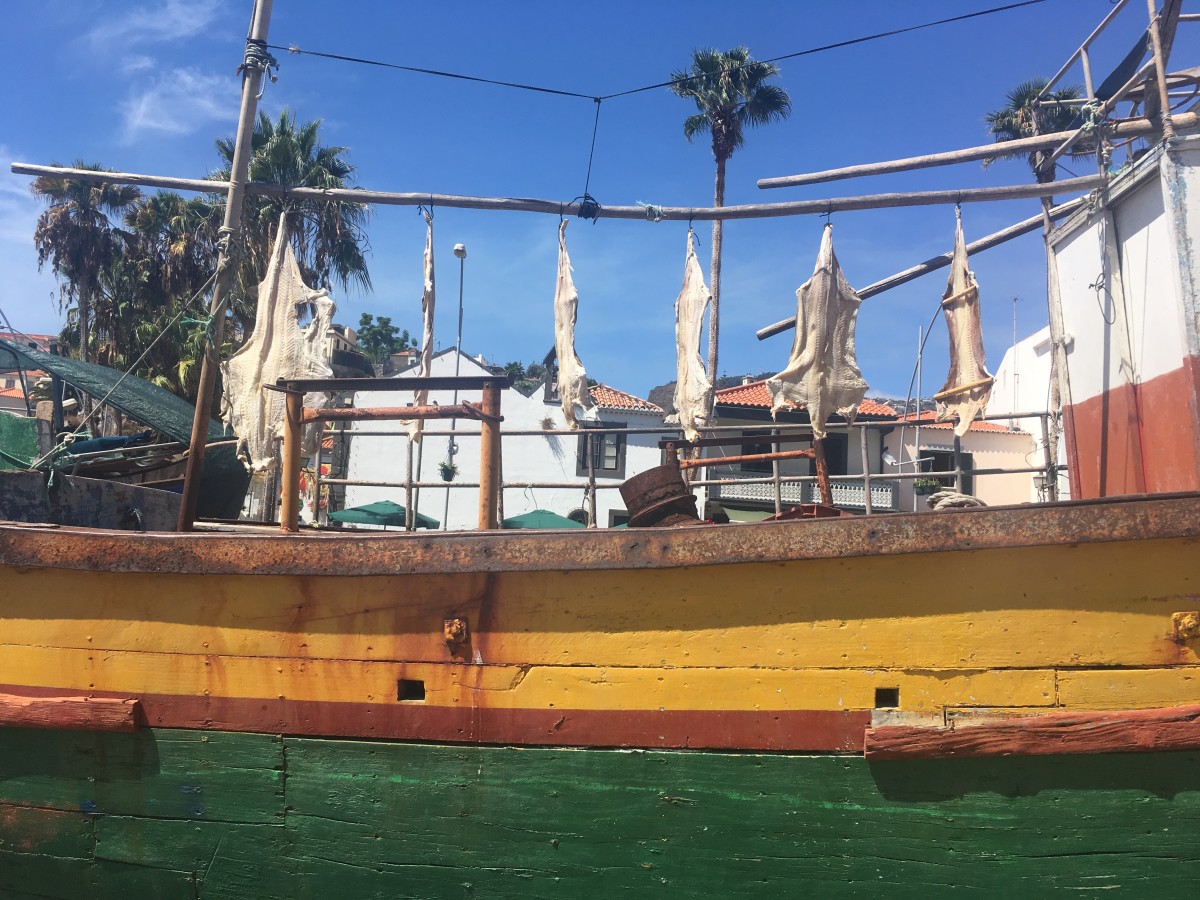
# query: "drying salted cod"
x,y
969,383
425,363
572,379
277,348
822,374
693,390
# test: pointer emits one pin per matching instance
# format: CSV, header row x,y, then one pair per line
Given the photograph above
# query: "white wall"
x,y
525,460
988,449
1023,385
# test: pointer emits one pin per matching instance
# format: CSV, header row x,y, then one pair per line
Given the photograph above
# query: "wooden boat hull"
x,y
528,714
166,813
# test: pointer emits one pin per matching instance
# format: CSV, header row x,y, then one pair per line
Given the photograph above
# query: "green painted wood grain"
x,y
304,818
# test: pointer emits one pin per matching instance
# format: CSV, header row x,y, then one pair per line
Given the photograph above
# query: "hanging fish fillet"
x,y
277,348
425,363
693,390
572,379
822,374
969,383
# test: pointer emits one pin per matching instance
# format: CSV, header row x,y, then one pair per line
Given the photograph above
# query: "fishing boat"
x,y
1004,700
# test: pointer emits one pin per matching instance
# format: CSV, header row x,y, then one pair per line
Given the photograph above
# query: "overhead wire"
x,y
597,98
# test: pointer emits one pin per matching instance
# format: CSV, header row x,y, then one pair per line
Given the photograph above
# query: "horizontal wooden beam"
x,y
428,383
555,207
1132,128
386,413
941,261
79,713
1127,731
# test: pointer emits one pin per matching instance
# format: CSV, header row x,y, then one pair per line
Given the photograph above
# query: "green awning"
x,y
18,441
540,518
136,397
381,512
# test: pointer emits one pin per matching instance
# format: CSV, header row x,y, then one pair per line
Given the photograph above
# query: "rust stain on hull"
x,y
1118,519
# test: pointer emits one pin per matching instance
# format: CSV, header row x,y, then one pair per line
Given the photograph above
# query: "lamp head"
x,y
460,250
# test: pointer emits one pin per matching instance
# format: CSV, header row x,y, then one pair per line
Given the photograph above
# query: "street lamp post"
x,y
460,250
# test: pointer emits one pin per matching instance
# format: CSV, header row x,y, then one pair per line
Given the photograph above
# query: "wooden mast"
x,y
252,72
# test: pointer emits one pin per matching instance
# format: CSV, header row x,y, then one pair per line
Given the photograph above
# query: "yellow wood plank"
x,y
506,687
1098,605
1129,688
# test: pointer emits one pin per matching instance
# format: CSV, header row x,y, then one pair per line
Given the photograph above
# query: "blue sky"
x,y
147,86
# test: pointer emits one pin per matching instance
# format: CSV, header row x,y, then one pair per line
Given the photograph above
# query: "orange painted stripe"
x,y
821,731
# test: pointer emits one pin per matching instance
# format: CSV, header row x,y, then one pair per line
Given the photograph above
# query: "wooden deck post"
x,y
289,512
822,471
489,456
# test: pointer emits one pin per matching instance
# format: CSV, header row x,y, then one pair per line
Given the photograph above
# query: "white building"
x,y
528,456
1023,386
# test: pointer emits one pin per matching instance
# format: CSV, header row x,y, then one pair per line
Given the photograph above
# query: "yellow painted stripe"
x,y
1129,688
512,687
1098,605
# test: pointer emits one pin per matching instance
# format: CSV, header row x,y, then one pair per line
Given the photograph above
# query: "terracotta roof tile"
x,y
14,392
610,398
755,394
928,420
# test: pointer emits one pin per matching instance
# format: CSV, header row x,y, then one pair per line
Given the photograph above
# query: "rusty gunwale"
x,y
1165,516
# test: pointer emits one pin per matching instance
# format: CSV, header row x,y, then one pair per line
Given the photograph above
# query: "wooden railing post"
x,y
289,512
822,472
489,456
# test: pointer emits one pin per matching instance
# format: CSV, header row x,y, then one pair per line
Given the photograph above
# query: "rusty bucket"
x,y
659,496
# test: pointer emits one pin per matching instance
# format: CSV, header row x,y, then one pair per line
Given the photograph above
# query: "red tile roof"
x,y
928,420
610,398
14,392
755,394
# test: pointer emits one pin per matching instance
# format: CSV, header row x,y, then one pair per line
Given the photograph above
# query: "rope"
x,y
69,438
295,50
260,58
589,207
653,213
592,153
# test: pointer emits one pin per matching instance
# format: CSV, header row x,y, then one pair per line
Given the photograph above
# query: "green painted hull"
x,y
162,813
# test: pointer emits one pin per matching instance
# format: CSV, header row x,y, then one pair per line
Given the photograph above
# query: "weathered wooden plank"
x,y
365,819
731,825
228,777
1135,731
1112,600
80,713
49,832
772,686
45,876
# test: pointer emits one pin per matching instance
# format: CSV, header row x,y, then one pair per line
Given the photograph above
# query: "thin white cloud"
x,y
179,102
137,63
169,20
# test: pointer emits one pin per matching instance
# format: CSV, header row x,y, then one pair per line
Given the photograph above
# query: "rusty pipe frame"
x,y
706,461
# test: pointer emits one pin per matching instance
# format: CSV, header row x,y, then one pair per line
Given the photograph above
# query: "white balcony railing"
x,y
847,494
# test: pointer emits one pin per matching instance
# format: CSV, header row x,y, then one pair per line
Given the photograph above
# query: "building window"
x,y
943,461
605,452
837,453
756,440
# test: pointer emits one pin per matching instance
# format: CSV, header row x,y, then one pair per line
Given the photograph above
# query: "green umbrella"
x,y
540,518
381,512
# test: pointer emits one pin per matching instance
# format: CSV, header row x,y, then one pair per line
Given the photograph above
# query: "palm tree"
x,y
1022,118
328,236
731,94
77,237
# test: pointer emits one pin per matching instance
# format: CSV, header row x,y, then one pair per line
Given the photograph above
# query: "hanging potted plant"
x,y
926,485
448,470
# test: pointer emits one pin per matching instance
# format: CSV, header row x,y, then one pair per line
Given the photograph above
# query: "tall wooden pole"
x,y
252,73
289,509
489,456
